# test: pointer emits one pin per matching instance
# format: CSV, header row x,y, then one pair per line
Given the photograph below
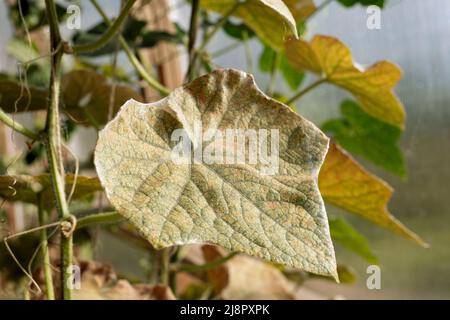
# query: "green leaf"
x,y
366,136
372,87
279,217
25,188
271,20
344,183
350,3
238,31
292,77
266,59
351,239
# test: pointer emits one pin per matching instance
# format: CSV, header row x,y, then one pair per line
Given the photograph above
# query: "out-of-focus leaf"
x,y
152,38
25,188
86,96
301,9
270,19
292,76
351,239
266,59
279,217
238,31
14,97
372,87
366,136
246,278
345,184
349,3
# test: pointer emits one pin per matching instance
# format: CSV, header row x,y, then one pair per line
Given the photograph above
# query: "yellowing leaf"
x,y
270,19
372,87
25,188
279,217
301,9
345,184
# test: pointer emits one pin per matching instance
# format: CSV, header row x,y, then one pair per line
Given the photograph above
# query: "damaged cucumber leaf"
x,y
272,213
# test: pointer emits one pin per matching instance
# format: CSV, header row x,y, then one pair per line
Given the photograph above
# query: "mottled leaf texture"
x,y
25,188
278,217
372,87
270,19
366,136
345,184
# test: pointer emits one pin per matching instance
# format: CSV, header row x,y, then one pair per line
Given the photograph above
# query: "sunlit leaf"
x,y
345,184
25,188
270,19
366,136
372,87
279,217
347,236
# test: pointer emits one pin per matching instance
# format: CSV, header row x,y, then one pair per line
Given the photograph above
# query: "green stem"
x,y
106,217
109,34
225,50
17,126
248,53
206,266
305,91
193,28
53,147
43,216
132,57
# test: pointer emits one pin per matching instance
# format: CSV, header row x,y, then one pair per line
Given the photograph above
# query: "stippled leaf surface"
x,y
25,188
366,136
345,184
372,87
270,19
279,217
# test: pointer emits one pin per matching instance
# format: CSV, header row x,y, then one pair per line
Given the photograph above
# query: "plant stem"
x,y
106,217
206,266
43,216
109,34
132,57
193,28
305,91
207,38
53,146
17,126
